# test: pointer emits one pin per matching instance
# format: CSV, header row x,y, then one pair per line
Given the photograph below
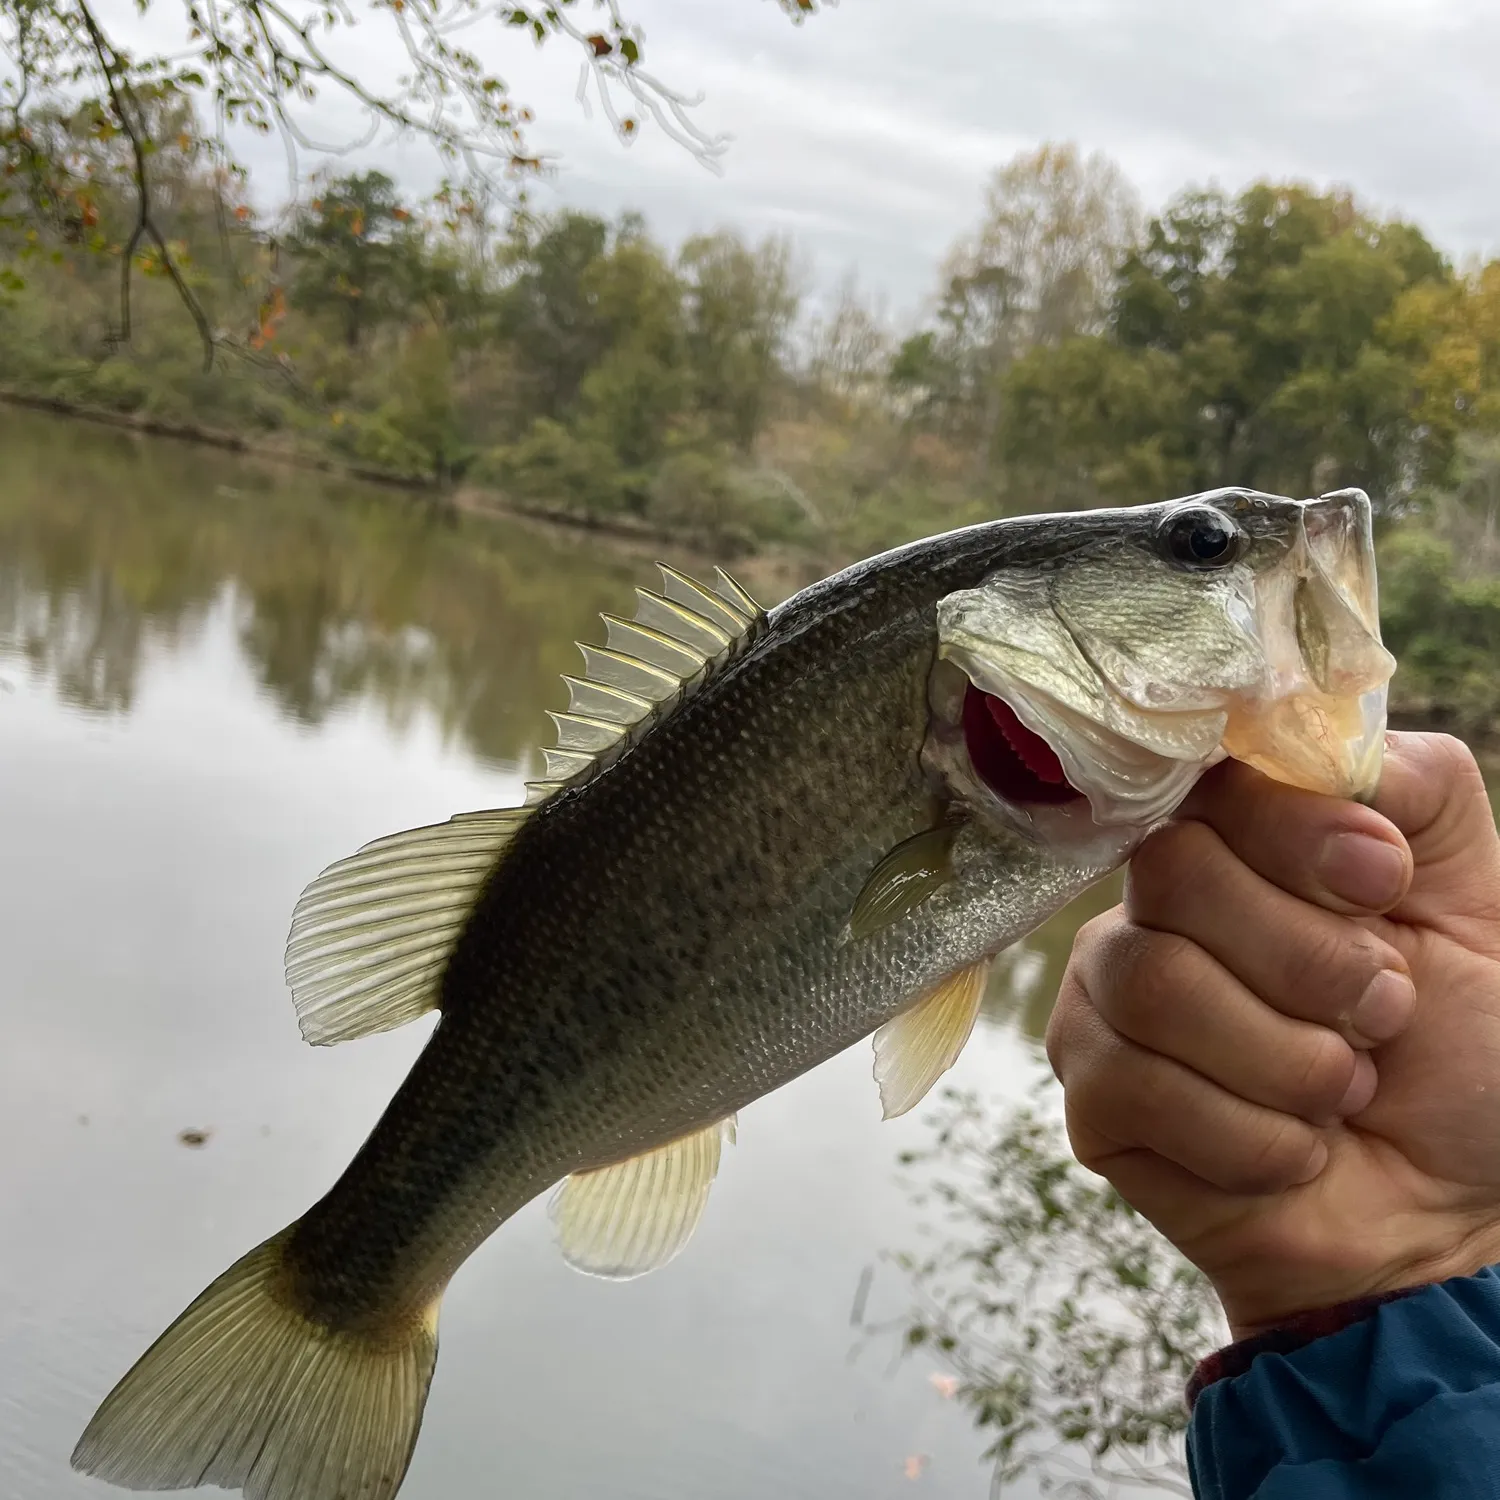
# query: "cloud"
x,y
869,131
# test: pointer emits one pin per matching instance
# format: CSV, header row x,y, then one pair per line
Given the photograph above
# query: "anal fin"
x,y
916,1048
624,1220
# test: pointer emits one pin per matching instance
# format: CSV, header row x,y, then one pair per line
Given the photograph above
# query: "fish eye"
x,y
1201,538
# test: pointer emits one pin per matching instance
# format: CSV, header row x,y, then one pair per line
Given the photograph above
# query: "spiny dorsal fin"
x,y
677,640
916,1048
372,934
622,1221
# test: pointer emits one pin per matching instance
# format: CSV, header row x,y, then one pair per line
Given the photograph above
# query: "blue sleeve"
x,y
1405,1403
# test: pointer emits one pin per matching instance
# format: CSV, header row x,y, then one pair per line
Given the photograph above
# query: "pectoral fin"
x,y
916,1048
903,880
624,1220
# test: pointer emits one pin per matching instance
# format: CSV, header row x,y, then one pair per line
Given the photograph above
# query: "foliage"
x,y
552,466
1070,1325
1440,602
260,64
358,254
1034,272
739,304
1285,339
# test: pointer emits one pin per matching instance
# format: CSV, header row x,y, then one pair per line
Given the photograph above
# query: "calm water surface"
x,y
214,679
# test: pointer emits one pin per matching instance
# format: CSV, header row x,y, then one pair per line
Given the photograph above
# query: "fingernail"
x,y
1361,1088
1385,1008
1316,1162
1363,871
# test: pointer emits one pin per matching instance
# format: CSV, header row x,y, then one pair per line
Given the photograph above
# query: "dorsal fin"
x,y
372,934
677,640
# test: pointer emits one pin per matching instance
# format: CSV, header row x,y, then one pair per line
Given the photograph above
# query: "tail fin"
x,y
244,1391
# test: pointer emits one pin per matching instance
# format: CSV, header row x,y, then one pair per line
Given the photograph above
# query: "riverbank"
x,y
772,572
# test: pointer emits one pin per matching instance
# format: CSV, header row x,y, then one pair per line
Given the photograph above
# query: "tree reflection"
x,y
1069,1326
341,593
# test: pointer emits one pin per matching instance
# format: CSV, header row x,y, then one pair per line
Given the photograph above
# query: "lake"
x,y
215,678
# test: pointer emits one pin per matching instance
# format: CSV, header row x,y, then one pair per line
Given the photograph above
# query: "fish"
x,y
760,838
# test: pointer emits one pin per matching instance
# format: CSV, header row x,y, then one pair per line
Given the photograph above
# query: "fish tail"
x,y
246,1391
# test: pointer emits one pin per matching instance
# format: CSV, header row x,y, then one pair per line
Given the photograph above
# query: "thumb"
x,y
1431,788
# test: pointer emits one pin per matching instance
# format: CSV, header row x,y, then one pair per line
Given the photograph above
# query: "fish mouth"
x,y
1014,762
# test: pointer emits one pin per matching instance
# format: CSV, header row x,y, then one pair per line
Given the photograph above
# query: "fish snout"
x,y
1318,720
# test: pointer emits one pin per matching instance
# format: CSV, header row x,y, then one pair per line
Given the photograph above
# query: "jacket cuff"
x,y
1235,1359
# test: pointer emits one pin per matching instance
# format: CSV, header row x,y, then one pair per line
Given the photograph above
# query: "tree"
x,y
740,303
1264,343
357,252
638,387
1037,269
851,345
546,307
1069,1325
260,63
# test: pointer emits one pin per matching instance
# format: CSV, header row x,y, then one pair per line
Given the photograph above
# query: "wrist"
x,y
1289,1295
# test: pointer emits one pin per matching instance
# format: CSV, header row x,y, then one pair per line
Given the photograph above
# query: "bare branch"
x,y
114,71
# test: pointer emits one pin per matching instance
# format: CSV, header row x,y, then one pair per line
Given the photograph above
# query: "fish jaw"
x,y
1319,720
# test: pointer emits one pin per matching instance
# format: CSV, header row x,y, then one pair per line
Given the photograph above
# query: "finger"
x,y
1124,1097
1300,959
1168,996
1339,855
1432,790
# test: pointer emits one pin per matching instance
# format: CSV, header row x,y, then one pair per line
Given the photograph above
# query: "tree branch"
x,y
145,225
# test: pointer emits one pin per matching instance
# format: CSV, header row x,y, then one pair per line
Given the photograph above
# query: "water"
x,y
214,679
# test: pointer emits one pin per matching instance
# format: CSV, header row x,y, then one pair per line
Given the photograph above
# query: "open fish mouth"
x,y
1014,762
1107,688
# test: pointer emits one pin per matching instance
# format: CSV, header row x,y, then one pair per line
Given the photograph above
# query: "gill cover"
x,y
1140,669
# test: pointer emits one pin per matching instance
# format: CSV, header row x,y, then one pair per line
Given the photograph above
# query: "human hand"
x,y
1302,1095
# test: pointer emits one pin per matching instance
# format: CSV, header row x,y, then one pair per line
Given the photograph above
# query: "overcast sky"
x,y
868,131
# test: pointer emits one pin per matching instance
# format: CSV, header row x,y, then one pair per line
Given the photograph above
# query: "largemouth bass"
x,y
760,838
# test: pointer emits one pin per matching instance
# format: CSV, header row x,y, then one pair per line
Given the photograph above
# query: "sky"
x,y
869,131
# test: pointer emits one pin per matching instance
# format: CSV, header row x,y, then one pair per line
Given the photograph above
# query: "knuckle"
x,y
1174,861
1327,1070
1150,977
1275,1157
1061,1031
1093,1075
1457,758
1320,970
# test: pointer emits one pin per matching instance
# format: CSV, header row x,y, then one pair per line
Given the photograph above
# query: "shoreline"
x,y
771,572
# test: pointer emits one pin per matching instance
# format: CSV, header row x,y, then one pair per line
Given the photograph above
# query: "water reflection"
x,y
1066,1325
111,546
